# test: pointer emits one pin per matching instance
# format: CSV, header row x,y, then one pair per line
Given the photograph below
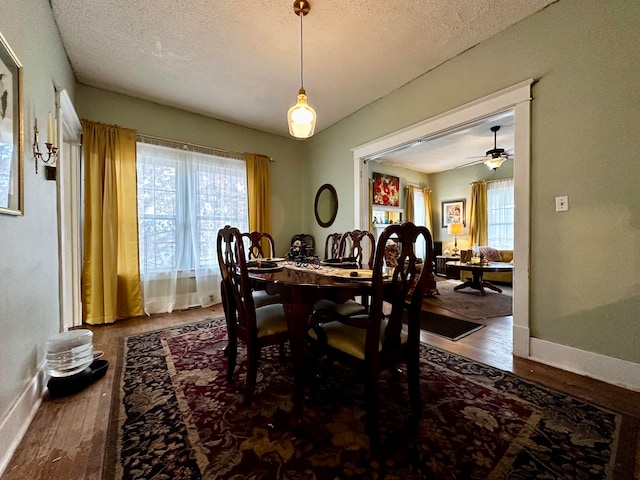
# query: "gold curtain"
x,y
428,219
478,219
409,207
259,195
110,271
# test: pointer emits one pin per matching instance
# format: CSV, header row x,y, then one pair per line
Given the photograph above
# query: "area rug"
x,y
470,303
175,416
451,328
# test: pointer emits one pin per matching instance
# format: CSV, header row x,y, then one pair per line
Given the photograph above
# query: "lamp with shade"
x,y
455,229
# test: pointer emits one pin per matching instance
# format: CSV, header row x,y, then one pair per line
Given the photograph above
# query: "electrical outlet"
x,y
562,203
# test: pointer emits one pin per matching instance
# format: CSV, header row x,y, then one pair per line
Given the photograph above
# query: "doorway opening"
x,y
516,99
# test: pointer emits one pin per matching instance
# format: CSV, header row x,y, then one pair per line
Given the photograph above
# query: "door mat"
x,y
452,328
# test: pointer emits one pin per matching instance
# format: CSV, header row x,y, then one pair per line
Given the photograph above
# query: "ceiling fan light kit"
x,y
496,156
301,117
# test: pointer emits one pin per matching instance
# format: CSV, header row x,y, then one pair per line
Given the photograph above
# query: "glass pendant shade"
x,y
494,163
301,117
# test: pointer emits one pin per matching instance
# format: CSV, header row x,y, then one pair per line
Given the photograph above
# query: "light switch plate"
x,y
562,203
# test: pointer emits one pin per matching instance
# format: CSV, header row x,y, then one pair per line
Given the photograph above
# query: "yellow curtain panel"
x,y
110,271
478,219
259,195
409,207
426,195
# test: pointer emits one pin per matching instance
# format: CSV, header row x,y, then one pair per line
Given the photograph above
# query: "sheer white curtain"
x,y
184,198
500,214
419,217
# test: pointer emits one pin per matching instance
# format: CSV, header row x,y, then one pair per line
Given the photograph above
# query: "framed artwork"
x,y
386,190
453,212
11,133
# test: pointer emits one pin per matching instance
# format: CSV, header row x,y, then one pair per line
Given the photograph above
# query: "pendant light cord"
x,y
301,48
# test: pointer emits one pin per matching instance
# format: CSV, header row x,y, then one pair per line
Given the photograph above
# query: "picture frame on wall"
x,y
453,212
11,132
386,190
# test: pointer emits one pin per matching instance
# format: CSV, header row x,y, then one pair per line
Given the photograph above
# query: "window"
x,y
184,198
500,212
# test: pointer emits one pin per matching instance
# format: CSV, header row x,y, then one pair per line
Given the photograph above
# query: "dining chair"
x,y
332,246
254,243
352,244
379,340
356,243
255,327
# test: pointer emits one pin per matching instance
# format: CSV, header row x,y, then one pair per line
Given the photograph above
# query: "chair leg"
x,y
372,405
413,378
231,352
253,354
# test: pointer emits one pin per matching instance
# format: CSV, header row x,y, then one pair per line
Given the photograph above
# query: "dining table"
x,y
300,287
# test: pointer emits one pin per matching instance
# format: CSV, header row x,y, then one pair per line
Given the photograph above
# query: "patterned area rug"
x,y
470,303
175,417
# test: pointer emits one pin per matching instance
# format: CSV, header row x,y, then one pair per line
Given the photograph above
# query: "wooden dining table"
x,y
300,289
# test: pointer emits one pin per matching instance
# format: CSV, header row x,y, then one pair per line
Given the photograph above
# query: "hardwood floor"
x,y
67,438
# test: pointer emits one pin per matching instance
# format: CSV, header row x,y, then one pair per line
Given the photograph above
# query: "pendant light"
x,y
301,117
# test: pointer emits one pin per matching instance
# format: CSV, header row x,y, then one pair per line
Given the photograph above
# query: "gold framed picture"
x,y
11,132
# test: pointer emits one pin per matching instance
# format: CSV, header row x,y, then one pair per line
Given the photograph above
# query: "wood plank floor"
x,y
67,438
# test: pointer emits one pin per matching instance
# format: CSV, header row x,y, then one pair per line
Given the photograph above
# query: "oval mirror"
x,y
326,205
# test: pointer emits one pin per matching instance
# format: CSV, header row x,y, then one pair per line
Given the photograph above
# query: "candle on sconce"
x,y
50,130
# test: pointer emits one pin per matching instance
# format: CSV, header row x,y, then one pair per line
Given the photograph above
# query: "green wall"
x,y
584,56
29,306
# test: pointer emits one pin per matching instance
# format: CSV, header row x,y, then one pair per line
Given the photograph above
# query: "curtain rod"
x,y
492,181
182,145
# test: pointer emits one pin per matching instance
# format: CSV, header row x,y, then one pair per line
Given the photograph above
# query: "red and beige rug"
x,y
175,417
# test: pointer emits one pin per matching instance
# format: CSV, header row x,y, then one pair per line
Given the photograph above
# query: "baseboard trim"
x,y
611,370
14,426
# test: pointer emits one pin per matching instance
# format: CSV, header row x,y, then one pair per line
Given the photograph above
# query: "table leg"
x,y
477,283
297,316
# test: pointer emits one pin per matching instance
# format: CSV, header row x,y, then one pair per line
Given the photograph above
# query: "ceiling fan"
x,y
495,157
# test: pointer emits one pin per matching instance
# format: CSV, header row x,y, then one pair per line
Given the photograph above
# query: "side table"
x,y
441,266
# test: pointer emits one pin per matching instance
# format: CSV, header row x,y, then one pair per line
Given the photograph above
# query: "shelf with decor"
x,y
383,216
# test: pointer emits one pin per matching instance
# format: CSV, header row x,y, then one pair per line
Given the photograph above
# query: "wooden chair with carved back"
x,y
380,339
332,246
255,327
255,247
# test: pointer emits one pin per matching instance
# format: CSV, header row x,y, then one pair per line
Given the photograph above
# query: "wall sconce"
x,y
52,155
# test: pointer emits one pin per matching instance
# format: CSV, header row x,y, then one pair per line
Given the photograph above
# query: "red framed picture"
x,y
386,190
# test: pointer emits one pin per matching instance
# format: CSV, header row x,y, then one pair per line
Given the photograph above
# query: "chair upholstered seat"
x,y
346,309
351,340
270,320
262,298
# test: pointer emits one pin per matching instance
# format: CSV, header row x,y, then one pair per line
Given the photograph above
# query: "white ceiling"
x,y
454,149
238,61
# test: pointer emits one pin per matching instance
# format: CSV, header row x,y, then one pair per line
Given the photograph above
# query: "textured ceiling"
x,y
238,61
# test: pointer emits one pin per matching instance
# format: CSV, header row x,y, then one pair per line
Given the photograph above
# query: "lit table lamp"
x,y
455,229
